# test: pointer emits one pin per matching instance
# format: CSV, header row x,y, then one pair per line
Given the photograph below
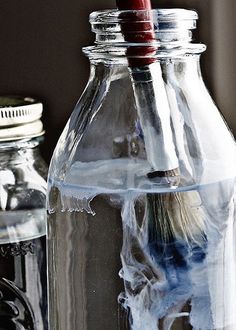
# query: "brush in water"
x,y
173,216
173,237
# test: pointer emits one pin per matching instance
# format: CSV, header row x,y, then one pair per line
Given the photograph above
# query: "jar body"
x,y
23,279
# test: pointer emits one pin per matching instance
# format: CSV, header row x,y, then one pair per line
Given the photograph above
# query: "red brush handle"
x,y
133,4
138,29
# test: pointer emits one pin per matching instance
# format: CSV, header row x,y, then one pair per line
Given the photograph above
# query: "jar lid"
x,y
20,118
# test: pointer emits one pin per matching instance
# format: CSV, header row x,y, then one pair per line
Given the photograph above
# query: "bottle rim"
x,y
156,21
155,15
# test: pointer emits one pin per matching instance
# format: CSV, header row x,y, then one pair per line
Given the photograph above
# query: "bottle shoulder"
x,y
106,128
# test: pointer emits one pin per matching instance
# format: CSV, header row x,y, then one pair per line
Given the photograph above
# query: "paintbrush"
x,y
175,220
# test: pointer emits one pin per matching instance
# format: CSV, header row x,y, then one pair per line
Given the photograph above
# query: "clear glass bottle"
x,y
129,249
23,281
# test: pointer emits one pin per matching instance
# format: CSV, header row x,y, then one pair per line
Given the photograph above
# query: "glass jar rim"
x,y
162,15
113,26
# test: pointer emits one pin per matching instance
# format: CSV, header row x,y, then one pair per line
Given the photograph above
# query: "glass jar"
x,y
141,189
23,281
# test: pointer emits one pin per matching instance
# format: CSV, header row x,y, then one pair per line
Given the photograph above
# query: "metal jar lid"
x,y
20,118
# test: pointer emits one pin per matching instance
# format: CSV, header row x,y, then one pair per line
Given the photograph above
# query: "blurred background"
x,y
40,53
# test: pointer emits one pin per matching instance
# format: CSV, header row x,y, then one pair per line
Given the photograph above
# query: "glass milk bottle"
x,y
23,282
131,244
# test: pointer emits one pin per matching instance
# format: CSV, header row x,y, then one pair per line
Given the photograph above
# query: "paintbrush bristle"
x,y
178,216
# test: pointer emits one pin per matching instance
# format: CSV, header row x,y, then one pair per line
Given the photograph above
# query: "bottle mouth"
x,y
108,25
125,34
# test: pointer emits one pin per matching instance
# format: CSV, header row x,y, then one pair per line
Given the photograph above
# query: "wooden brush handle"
x,y
134,4
138,28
